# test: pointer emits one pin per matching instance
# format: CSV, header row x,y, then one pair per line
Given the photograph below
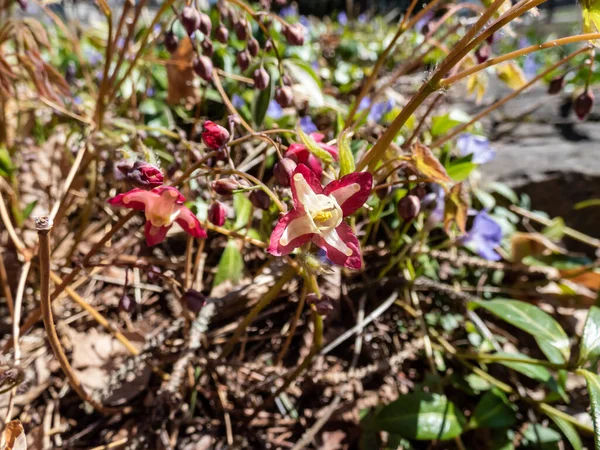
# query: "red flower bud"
x,y
261,78
190,19
217,214
409,207
171,42
243,60
260,199
214,136
241,29
205,25
253,46
142,175
284,96
583,104
126,304
483,53
294,34
323,305
556,85
222,34
268,45
225,186
203,67
193,300
283,170
207,47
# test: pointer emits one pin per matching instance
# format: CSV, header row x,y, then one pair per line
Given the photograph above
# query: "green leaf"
x,y
590,339
549,335
313,146
309,81
150,107
421,416
493,411
242,207
262,100
29,209
593,387
6,165
231,265
347,164
460,170
533,371
568,430
556,230
587,203
504,191
541,438
444,123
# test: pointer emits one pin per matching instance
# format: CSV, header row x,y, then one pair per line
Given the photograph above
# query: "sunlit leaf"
x,y
587,203
313,146
593,387
6,165
533,371
568,430
590,339
511,74
427,164
456,208
231,264
308,81
347,164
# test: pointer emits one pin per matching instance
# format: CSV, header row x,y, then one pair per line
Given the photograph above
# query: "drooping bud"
x,y
583,104
205,25
556,85
225,186
203,67
241,29
253,46
284,96
323,305
294,34
214,136
243,60
268,45
260,199
419,191
190,19
193,300
409,207
222,34
126,304
283,171
171,42
261,78
217,213
483,53
142,175
207,47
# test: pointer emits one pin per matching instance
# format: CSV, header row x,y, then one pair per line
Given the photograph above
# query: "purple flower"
x,y
362,18
379,110
289,11
120,43
530,67
274,110
237,101
485,235
342,18
428,17
150,92
435,201
305,23
92,56
364,103
477,146
307,125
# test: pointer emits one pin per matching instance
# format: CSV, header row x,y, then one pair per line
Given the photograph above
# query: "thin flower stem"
x,y
69,180
107,63
230,107
189,250
455,131
430,108
43,226
446,82
14,237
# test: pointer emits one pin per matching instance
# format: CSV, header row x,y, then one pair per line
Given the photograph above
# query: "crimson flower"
x,y
163,206
318,216
214,136
301,155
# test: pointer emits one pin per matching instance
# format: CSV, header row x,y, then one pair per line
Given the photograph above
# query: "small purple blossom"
x,y
307,125
435,202
274,110
365,102
485,235
150,92
77,100
379,110
305,23
92,56
428,17
362,18
342,18
289,11
530,67
477,146
120,43
237,101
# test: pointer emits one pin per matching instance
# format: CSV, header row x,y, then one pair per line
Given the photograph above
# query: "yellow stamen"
x,y
322,216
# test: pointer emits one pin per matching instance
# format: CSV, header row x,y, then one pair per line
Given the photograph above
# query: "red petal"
x,y
275,248
297,152
154,235
190,223
354,261
159,190
312,180
351,199
119,200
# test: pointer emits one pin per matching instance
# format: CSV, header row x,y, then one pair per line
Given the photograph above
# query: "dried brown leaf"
x,y
427,164
14,437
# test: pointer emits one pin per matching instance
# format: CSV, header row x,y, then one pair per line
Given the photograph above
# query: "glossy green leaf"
x,y
421,416
533,371
242,207
347,164
541,437
29,209
493,411
590,339
593,387
313,146
568,430
444,123
460,170
6,165
549,335
261,102
231,264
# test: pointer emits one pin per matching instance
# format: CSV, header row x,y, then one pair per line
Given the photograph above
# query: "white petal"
x,y
333,239
344,193
306,196
298,227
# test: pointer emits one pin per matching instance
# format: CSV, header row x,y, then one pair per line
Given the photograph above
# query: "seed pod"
x,y
583,104
556,85
222,34
253,46
193,300
171,41
261,78
323,305
190,19
419,191
207,47
214,136
203,67
205,25
284,96
483,53
217,214
241,29
260,199
126,304
268,45
283,171
243,60
294,34
409,206
225,186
